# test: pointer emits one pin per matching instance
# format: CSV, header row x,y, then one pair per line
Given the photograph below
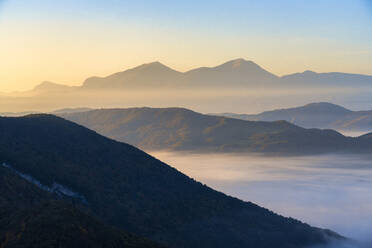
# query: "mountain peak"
x,y
326,106
47,85
156,65
236,73
145,75
236,63
309,72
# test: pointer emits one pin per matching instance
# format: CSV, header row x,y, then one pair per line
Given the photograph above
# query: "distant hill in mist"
x,y
330,79
102,183
17,114
237,85
185,130
315,115
147,75
235,73
50,87
70,110
56,112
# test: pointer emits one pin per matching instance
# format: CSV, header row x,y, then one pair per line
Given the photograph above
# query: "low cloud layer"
x,y
332,192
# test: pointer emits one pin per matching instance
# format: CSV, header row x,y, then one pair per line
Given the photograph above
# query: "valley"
x,y
327,191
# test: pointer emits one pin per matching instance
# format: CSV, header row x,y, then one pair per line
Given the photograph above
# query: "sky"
x,y
68,41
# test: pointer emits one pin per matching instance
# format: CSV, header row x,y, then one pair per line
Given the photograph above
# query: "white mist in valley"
x,y
326,191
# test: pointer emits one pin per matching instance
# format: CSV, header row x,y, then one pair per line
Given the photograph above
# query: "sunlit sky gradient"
x,y
70,40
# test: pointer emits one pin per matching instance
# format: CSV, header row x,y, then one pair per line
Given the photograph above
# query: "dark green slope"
x,y
182,129
127,188
31,217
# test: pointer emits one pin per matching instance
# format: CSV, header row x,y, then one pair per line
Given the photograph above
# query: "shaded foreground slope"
x,y
31,217
127,188
182,129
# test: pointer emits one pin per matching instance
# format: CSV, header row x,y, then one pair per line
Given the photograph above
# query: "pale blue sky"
x,y
67,41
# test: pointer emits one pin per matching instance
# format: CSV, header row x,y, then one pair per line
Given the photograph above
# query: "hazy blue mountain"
x,y
149,75
237,73
128,188
235,85
315,115
52,87
70,110
16,114
330,79
58,111
182,129
233,73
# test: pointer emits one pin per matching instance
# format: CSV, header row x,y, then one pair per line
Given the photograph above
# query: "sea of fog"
x,y
332,191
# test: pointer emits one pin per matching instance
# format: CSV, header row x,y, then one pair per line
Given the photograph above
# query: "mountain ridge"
x,y
236,72
315,115
145,73
181,129
51,86
130,189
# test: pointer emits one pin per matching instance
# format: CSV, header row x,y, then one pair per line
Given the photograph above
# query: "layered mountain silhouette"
x,y
316,115
237,72
227,87
52,87
124,187
56,112
185,130
234,73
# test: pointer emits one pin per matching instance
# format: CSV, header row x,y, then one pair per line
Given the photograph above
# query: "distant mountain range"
x,y
315,115
51,87
235,73
237,85
330,79
56,112
147,75
44,156
184,130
